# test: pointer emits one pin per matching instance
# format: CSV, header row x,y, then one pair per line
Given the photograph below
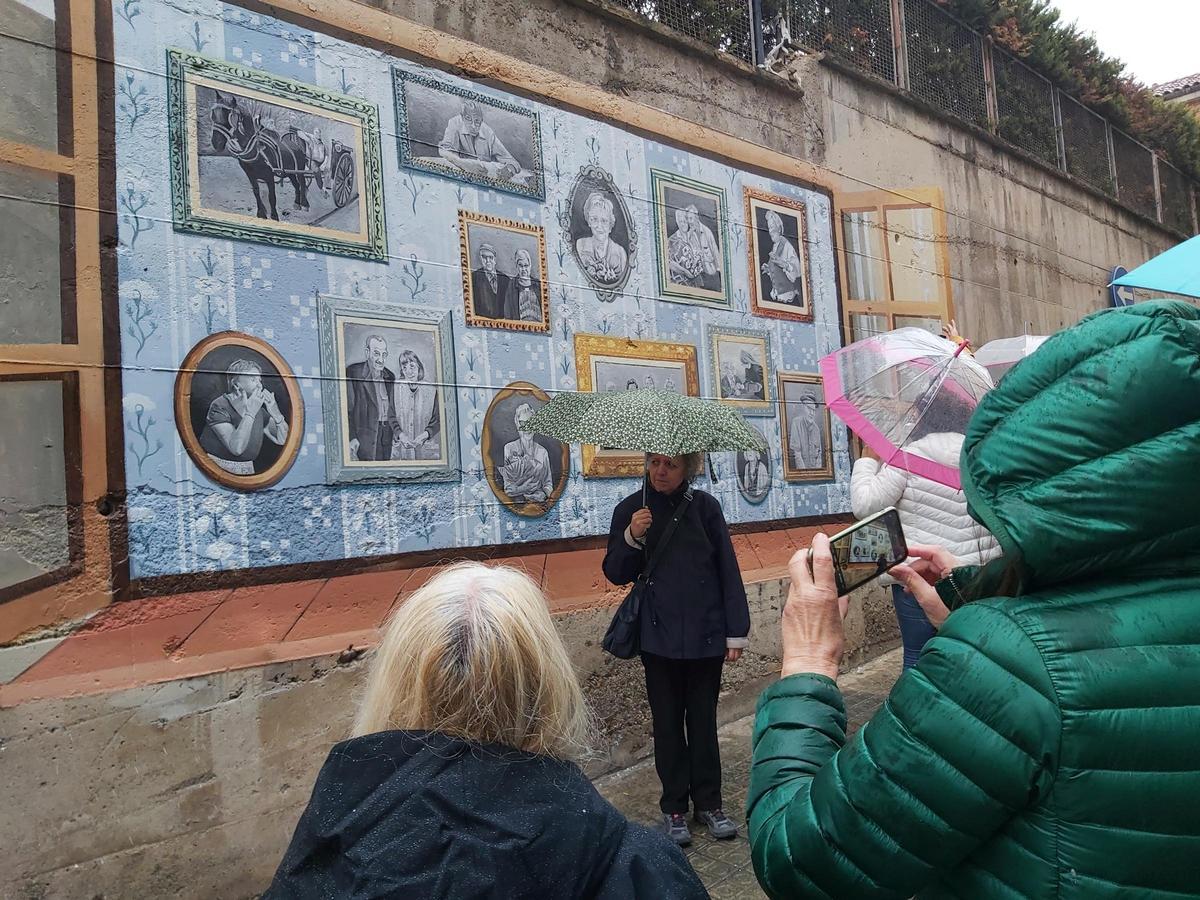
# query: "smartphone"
x,y
867,549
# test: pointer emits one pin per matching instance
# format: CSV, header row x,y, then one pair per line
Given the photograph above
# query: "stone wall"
x,y
191,789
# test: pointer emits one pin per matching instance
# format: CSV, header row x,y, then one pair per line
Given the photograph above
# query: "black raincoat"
x,y
407,815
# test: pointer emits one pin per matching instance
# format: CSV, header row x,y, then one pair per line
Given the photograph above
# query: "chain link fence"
x,y
1085,141
942,61
945,62
724,25
1135,174
1176,198
857,31
1025,108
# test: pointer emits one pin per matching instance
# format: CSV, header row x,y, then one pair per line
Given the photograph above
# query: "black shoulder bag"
x,y
624,636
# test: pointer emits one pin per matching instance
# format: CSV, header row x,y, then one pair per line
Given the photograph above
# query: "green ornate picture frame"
x,y
691,236
258,157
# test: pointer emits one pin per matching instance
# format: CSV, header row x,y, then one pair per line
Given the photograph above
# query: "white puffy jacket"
x,y
931,513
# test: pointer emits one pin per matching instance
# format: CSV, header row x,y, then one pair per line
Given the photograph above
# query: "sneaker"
x,y
676,827
720,826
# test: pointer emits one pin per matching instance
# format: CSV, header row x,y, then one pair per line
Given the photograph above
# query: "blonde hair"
x,y
474,654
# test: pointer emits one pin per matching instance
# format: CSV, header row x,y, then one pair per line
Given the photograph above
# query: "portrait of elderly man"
x,y
489,286
470,144
371,403
240,419
806,439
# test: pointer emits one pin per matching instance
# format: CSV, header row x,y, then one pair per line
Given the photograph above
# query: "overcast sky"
x,y
1159,40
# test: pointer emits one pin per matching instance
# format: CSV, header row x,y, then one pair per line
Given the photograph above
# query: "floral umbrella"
x,y
893,387
649,421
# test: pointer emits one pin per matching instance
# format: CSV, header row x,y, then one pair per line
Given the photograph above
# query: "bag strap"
x,y
666,538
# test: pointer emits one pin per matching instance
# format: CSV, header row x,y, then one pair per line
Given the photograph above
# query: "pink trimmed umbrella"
x,y
893,387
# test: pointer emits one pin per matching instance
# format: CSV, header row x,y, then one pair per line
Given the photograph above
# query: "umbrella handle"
x,y
963,344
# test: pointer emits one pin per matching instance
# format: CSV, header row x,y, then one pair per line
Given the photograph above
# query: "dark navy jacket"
x,y
696,599
412,815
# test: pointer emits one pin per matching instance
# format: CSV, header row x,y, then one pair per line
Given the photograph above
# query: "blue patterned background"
x,y
175,289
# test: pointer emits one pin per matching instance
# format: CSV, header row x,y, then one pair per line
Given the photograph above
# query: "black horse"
x,y
264,154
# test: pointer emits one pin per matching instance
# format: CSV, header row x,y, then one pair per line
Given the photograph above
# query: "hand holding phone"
x,y
867,549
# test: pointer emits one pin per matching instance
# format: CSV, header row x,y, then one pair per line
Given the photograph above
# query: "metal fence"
x,y
919,47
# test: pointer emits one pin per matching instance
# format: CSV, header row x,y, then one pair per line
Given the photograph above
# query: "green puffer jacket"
x,y
1047,744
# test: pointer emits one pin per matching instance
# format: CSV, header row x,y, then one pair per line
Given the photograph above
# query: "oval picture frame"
x,y
505,401
739,462
193,365
593,178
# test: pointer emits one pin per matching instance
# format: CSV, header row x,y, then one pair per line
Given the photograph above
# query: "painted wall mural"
x,y
366,272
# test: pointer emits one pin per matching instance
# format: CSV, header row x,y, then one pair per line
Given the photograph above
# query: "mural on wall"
x,y
514,266
778,258
600,232
754,472
807,441
693,250
740,364
447,130
504,273
238,412
526,472
619,364
392,421
236,134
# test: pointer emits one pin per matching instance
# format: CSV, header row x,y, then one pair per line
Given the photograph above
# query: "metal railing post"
x,y
756,33
900,44
1112,159
990,100
1158,198
1060,137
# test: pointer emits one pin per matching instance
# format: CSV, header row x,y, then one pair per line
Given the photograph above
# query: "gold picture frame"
x,y
792,214
789,401
603,363
506,404
505,237
203,380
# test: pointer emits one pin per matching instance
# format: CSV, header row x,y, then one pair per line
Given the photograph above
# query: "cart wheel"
x,y
343,180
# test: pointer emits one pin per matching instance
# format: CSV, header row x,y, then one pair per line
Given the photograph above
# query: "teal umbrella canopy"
x,y
1175,272
646,421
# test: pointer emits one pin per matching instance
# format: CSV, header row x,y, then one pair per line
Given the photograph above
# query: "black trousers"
x,y
683,707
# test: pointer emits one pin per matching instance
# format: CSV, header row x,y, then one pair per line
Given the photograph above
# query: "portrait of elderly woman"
x,y
778,256
527,472
418,417
602,258
600,232
238,410
689,220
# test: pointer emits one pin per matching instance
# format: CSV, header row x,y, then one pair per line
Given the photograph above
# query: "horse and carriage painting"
x,y
259,157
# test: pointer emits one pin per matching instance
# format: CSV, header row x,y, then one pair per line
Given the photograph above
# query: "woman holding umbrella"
x,y
695,620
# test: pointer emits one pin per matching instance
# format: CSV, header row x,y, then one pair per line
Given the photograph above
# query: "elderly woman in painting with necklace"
x,y
523,298
783,262
418,420
602,258
238,420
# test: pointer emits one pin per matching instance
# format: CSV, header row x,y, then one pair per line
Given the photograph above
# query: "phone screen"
x,y
867,549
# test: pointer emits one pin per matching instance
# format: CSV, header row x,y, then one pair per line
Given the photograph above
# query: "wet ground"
x,y
724,866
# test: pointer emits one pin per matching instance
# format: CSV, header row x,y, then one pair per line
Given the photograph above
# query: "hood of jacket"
x,y
1086,458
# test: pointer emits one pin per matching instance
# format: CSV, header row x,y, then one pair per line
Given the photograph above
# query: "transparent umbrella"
x,y
891,387
1000,355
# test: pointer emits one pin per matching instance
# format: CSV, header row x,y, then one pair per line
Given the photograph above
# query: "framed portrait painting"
x,y
504,273
390,408
257,157
778,257
753,469
238,411
807,437
600,232
618,364
526,472
693,248
740,368
443,129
